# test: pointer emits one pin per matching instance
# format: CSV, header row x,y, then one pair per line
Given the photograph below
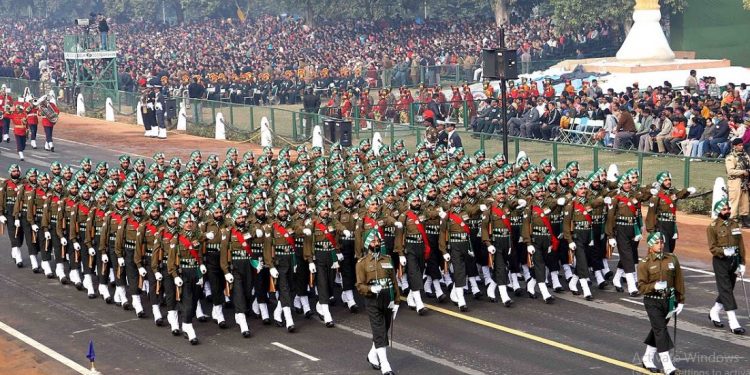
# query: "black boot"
x,y
746,221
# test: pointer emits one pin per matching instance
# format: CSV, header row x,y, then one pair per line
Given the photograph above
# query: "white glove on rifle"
x,y
121,261
35,227
142,271
442,213
3,219
158,276
483,207
653,191
203,269
637,238
210,235
531,249
92,252
402,260
521,203
339,256
447,257
258,233
17,223
607,200
561,201
335,266
306,231
229,277
612,242
572,246
679,308
312,268
491,249
63,241
178,281
274,273
47,235
105,258
347,233
741,270
375,289
76,246
691,190
398,225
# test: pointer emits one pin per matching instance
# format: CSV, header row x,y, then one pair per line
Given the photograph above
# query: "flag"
x,y
91,355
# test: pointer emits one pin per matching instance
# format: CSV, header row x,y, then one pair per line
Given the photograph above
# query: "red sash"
x,y
456,219
503,217
668,201
326,233
579,207
280,230
420,227
545,219
84,209
134,224
167,235
241,239
627,202
11,185
189,245
55,199
151,228
28,188
117,217
40,193
374,224
99,213
70,202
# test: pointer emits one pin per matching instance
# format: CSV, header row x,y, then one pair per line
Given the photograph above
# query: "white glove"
x,y
691,190
447,257
398,225
203,269
17,223
612,242
260,265
521,203
607,200
200,282
339,256
660,285
729,251
335,266
258,233
375,289
347,233
76,246
674,237
741,270
312,268
35,227
678,310
561,201
3,219
121,261
572,246
547,211
637,238
105,258
274,273
483,207
178,281
229,277
158,276
306,231
402,260
92,252
491,249
210,235
531,249
392,305
47,236
63,241
142,271
653,191
655,184
442,213
394,309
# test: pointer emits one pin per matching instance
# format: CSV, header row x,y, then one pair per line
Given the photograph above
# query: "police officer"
x,y
376,281
728,250
663,288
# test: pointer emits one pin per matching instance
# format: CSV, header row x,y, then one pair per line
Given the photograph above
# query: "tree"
x,y
571,15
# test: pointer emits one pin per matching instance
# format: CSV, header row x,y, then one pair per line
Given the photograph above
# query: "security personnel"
x,y
280,256
662,213
376,281
165,286
540,241
79,219
185,265
738,171
321,253
238,266
145,248
454,237
663,288
110,269
212,227
728,250
413,248
125,245
9,191
496,234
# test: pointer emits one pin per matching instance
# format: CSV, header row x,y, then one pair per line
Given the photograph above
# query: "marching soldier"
x,y
53,212
376,281
239,267
321,253
146,242
9,192
454,237
111,270
578,232
728,250
301,220
413,249
540,241
165,285
662,213
125,247
663,288
345,219
34,214
212,228
95,223
79,220
280,256
185,265
258,227
25,194
496,234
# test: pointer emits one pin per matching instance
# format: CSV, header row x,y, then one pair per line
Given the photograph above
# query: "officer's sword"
x,y
674,338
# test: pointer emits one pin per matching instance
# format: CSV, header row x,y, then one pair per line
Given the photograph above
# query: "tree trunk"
x,y
179,11
501,12
309,13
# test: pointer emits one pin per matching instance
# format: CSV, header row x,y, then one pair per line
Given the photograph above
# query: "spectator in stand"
x,y
695,132
691,83
625,129
551,122
719,135
665,129
679,133
643,121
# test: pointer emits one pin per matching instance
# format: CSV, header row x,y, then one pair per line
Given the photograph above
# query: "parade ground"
x,y
45,328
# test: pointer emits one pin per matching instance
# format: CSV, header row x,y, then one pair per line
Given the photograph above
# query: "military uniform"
x,y
79,220
9,192
146,244
738,167
321,249
212,229
25,195
185,256
237,261
280,255
497,236
541,243
125,246
165,287
455,241
110,269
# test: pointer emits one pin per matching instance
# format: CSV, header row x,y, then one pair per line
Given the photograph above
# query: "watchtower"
x,y
91,65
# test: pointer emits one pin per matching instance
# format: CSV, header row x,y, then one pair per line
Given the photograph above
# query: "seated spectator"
x,y
695,131
551,122
665,129
678,135
643,121
719,135
625,129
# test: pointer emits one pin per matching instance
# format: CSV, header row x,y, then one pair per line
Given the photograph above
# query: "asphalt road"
x,y
570,336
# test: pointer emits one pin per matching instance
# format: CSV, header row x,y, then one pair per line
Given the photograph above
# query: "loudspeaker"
x,y
345,133
329,130
498,64
171,108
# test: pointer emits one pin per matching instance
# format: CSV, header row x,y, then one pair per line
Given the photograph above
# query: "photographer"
x,y
103,31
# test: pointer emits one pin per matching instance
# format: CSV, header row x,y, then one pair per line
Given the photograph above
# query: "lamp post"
x,y
503,98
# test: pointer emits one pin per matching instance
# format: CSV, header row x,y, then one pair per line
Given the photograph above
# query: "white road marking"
x,y
44,349
83,330
631,301
122,321
295,351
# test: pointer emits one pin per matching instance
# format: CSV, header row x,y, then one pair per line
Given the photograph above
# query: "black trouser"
x,y
45,247
262,283
15,240
242,287
415,265
480,250
215,277
435,261
120,274
501,258
518,250
190,293
380,317
542,244
301,278
20,143
326,276
89,262
582,252
105,267
131,272
284,282
53,244
599,250
626,247
459,250
167,289
32,131
153,297
32,242
668,229
557,258
657,310
725,269
347,265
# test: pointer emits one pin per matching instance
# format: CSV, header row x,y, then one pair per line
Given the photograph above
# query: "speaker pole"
x,y
504,98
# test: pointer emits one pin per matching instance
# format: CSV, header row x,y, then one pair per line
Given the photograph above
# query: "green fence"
x,y
243,124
